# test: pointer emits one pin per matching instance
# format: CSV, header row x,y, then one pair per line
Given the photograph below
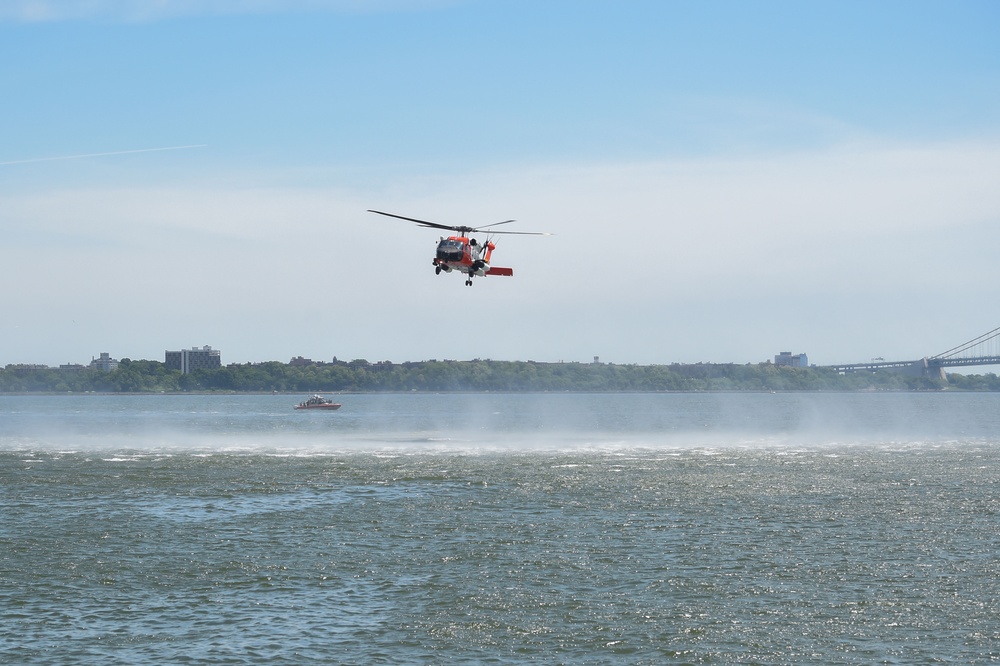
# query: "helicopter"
x,y
462,252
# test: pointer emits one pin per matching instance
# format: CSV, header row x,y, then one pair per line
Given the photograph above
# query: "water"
x,y
508,529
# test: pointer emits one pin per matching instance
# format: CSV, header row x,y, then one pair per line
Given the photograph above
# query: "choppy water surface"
x,y
638,529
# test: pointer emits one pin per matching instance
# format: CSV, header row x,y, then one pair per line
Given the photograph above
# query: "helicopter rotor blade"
x,y
523,233
511,233
423,223
462,229
495,224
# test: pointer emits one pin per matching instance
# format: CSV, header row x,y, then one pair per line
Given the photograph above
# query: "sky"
x,y
724,180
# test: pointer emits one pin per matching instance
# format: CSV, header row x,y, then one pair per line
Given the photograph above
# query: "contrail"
x,y
117,152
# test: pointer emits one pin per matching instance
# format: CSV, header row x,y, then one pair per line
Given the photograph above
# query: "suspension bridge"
x,y
982,350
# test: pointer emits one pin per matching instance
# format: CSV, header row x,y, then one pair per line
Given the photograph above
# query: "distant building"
x,y
72,366
105,363
189,360
792,360
298,361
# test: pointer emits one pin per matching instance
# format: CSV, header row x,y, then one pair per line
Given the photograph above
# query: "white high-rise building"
x,y
105,363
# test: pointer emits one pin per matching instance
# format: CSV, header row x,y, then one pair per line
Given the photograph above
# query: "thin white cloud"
x,y
116,152
153,10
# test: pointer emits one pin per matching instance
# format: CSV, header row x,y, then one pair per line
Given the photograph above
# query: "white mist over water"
x,y
483,423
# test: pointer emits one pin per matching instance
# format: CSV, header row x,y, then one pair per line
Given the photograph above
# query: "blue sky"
x,y
726,180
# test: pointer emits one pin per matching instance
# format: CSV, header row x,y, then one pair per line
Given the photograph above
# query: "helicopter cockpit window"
x,y
450,250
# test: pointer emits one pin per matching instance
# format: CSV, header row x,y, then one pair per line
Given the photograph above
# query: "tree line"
x,y
140,376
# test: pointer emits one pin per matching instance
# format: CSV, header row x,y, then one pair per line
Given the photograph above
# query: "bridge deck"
x,y
983,350
925,362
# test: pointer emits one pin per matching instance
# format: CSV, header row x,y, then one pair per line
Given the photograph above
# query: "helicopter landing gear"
x,y
468,283
437,270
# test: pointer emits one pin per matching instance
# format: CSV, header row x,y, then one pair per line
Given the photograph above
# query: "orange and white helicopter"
x,y
462,252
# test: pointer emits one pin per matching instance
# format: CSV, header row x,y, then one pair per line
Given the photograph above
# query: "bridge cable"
x,y
965,346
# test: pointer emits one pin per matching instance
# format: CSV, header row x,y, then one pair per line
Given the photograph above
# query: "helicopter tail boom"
x,y
498,270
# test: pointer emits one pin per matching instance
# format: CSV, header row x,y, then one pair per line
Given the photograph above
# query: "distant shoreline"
x,y
472,377
946,389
